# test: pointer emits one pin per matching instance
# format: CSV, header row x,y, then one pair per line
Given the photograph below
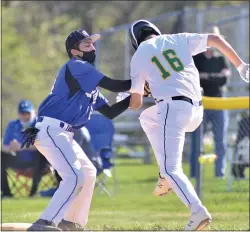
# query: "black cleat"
x,y
69,226
43,225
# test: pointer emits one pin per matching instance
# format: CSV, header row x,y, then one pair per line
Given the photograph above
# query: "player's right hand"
x,y
14,146
243,70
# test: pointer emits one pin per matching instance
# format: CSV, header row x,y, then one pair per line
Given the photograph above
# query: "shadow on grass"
x,y
149,180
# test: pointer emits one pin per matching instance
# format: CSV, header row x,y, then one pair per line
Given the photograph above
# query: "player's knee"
x,y
87,175
81,178
173,169
77,177
91,173
71,180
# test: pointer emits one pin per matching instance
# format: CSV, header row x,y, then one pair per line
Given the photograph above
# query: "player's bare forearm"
x,y
225,48
136,101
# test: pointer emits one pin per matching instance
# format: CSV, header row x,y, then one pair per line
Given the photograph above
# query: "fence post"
x,y
192,159
147,156
198,166
185,12
127,56
243,33
199,21
97,63
197,144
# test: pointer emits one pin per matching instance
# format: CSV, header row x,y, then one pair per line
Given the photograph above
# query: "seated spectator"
x,y
13,157
102,131
83,138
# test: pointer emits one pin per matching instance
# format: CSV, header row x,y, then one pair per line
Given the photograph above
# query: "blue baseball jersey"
x,y
13,131
74,95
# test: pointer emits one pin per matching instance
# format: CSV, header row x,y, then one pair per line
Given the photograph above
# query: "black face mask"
x,y
88,56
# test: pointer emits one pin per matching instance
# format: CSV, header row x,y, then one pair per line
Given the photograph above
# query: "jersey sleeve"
x,y
87,75
100,101
8,135
137,74
197,43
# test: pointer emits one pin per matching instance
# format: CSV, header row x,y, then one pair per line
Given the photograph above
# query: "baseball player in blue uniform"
x,y
73,98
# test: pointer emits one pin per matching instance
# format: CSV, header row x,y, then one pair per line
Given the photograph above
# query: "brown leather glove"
x,y
147,91
28,137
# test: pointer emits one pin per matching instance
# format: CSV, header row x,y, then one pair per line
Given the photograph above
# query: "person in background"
x,y
101,130
12,155
214,73
84,139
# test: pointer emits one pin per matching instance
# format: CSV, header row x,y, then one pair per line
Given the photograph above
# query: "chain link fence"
x,y
230,144
238,158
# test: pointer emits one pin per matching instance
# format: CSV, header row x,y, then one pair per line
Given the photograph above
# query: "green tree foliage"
x,y
32,52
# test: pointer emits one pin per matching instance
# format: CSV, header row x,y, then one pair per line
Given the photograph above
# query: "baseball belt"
x,y
180,98
62,124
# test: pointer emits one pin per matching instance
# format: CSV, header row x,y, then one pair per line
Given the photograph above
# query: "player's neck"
x,y
150,37
76,57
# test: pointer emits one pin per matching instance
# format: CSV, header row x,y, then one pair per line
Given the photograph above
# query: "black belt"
x,y
62,124
182,98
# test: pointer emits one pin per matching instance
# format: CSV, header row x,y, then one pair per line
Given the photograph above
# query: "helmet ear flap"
x,y
140,30
144,33
133,39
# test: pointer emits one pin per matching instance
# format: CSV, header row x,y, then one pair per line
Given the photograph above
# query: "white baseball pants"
x,y
165,125
73,198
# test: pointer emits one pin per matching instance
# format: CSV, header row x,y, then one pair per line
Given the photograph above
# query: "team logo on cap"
x,y
84,33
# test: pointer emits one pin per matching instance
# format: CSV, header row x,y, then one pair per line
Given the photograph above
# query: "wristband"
x,y
240,67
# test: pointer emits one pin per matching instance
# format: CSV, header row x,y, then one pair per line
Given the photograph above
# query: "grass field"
x,y
135,208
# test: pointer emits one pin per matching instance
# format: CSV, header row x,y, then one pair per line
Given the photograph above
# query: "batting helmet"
x,y
140,30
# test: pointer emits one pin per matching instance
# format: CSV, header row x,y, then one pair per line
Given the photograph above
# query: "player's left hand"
x,y
147,91
243,70
29,136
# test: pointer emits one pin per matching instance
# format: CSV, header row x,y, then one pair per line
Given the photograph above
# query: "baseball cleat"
x,y
69,226
199,220
163,187
43,225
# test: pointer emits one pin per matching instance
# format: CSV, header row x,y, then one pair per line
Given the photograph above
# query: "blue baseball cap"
x,y
25,106
77,36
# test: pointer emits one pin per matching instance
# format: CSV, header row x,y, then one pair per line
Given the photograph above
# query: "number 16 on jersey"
x,y
171,57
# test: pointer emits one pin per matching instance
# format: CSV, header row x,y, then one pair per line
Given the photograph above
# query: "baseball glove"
x,y
147,91
28,137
